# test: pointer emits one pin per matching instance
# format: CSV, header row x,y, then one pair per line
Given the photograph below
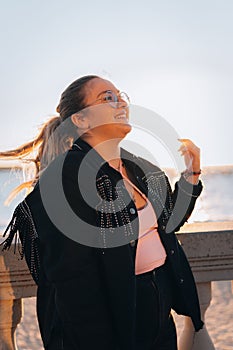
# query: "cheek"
x,y
102,118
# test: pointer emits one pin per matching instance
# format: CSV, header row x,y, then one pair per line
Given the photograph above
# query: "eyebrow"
x,y
103,92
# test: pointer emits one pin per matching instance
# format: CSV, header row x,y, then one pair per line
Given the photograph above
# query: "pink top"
x,y
150,251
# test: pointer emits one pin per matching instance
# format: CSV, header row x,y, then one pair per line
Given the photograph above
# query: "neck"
x,y
108,149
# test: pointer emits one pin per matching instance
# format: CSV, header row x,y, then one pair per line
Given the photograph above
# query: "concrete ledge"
x,y
209,248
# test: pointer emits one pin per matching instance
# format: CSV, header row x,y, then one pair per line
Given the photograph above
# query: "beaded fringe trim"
x,y
112,203
22,229
156,184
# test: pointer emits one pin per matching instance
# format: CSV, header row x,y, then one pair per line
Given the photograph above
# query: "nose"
x,y
122,103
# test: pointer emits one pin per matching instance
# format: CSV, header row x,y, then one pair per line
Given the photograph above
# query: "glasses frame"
x,y
113,104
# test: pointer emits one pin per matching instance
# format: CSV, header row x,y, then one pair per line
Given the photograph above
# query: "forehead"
x,y
97,85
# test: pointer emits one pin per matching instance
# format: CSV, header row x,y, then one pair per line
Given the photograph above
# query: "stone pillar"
x,y
191,340
10,316
15,284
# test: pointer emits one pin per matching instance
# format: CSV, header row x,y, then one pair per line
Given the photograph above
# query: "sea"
x,y
214,204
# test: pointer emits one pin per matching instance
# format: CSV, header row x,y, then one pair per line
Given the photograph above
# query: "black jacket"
x,y
85,269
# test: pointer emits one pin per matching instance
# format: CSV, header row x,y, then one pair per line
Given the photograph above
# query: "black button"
x,y
132,243
172,252
181,280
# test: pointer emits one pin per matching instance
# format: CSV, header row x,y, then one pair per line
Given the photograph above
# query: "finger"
x,y
190,146
183,148
187,142
184,153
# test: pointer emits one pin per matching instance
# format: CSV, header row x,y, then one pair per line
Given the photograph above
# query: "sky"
x,y
172,57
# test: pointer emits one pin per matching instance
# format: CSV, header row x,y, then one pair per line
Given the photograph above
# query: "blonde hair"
x,y
55,137
41,151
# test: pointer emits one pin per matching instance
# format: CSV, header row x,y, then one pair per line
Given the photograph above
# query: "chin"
x,y
112,131
122,129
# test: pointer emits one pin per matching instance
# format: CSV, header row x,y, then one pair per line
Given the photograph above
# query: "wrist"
x,y
194,167
191,176
192,172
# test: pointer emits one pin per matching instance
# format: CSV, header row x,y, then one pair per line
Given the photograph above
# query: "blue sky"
x,y
174,57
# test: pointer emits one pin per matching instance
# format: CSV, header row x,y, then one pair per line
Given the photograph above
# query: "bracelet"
x,y
187,173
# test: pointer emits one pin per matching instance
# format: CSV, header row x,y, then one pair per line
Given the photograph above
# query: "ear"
x,y
80,120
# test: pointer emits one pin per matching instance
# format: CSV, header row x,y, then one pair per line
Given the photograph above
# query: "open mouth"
x,y
121,116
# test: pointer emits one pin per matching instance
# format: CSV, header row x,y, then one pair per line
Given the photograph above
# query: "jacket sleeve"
x,y
179,203
184,198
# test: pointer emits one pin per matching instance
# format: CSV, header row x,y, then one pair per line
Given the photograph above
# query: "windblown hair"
x,y
56,135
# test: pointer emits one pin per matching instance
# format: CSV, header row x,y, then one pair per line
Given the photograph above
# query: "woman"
x,y
109,268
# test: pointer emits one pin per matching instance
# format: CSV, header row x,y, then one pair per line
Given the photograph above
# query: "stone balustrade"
x,y
209,247
16,283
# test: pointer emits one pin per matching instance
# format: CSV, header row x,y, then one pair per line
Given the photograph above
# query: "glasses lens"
x,y
116,99
124,97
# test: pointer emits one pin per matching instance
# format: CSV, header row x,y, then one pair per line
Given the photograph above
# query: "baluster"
x,y
10,316
191,340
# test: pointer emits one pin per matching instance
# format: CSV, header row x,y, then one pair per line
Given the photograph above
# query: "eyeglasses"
x,y
112,99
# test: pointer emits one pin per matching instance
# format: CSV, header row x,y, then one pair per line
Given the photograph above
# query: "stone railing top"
x,y
207,226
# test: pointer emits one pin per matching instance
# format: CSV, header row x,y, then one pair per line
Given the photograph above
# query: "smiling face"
x,y
103,118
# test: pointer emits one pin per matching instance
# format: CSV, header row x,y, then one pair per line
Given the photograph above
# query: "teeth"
x,y
120,116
